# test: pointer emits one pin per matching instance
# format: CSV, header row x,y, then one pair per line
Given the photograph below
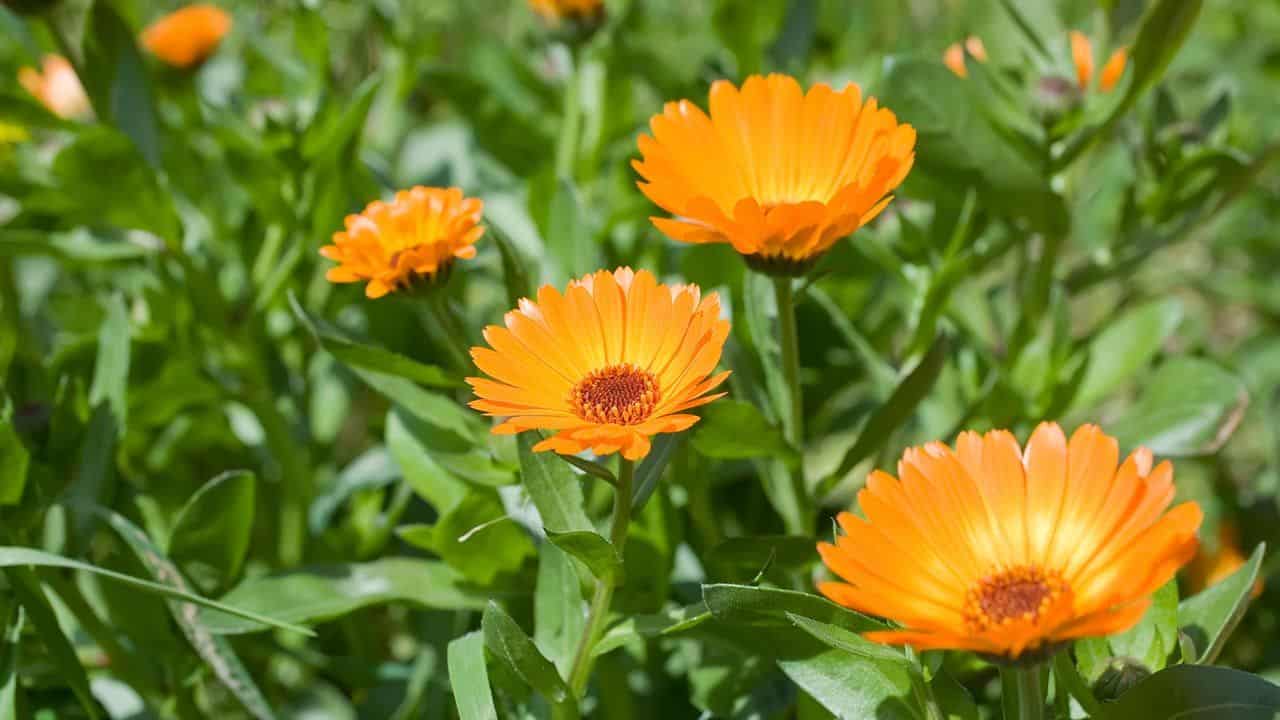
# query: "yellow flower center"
x,y
620,394
1021,593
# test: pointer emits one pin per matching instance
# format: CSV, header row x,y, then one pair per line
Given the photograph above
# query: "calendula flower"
x,y
415,237
953,58
988,548
557,10
1213,565
187,37
778,173
56,86
615,359
1082,57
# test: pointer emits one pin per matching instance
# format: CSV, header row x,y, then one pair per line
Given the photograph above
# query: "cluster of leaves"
x,y
374,552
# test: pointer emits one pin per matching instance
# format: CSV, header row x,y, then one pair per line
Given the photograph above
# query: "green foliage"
x,y
230,488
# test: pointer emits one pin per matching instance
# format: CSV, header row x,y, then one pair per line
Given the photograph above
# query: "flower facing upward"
x,y
416,236
953,58
1082,58
776,172
186,38
557,10
614,360
56,86
988,548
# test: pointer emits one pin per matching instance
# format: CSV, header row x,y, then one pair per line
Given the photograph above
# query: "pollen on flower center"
x,y
1021,593
620,394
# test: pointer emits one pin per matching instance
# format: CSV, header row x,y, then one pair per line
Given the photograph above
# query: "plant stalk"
x,y
444,328
598,612
1023,693
571,122
793,425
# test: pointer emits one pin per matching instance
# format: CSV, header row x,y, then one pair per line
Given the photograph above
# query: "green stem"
x,y
599,610
1023,693
570,122
1069,678
442,326
793,424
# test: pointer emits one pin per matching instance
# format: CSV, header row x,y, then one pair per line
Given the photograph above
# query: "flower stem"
x,y
1023,693
442,326
570,122
793,423
599,610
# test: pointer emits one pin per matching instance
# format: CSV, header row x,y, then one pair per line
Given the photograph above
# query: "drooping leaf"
x,y
1209,616
1189,407
1124,347
1197,692
504,638
597,553
211,534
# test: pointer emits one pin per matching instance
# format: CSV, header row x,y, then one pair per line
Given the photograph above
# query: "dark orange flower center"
x,y
1021,593
620,394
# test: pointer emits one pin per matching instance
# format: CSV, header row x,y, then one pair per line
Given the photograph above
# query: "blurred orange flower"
x,y
555,10
778,173
56,86
187,37
615,359
988,548
415,236
1211,567
953,58
1082,57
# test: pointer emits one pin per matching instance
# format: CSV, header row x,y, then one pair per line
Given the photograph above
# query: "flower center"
x,y
620,394
1021,593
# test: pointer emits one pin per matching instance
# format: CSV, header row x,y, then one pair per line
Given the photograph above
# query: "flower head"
x,y
989,548
187,37
1082,58
953,58
778,173
615,359
556,10
56,86
414,237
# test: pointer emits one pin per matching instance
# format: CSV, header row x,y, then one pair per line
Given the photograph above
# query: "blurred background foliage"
x,y
187,400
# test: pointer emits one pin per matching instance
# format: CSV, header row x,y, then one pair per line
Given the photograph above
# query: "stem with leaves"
x,y
598,612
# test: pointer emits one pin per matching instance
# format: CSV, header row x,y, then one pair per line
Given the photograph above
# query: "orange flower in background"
x,y
778,173
1211,567
615,359
186,38
1082,57
416,236
56,86
555,10
988,548
953,58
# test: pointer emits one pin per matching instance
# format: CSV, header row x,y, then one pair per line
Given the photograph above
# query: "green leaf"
x,y
111,367
651,468
322,592
600,557
1124,348
748,605
898,408
747,28
1190,407
852,643
470,679
557,210
214,650
339,124
853,686
591,468
1039,22
504,638
515,267
211,534
733,430
1155,637
1197,692
553,487
115,78
10,656
559,612
1210,616
26,587
476,537
13,468
370,357
755,551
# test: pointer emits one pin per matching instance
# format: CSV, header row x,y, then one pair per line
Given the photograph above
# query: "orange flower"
x,y
613,361
992,549
953,58
1212,567
778,173
57,87
186,38
415,236
1082,57
556,10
